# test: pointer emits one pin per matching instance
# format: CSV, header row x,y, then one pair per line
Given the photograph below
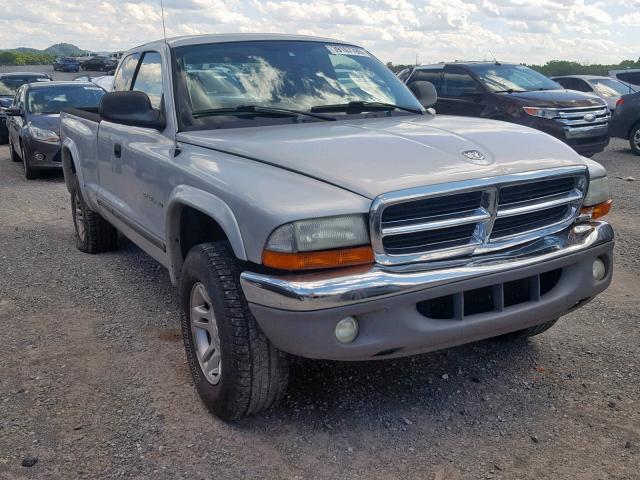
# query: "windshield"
x,y
611,88
54,99
9,85
295,75
516,78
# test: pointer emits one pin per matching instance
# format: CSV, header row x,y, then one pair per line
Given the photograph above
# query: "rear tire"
x,y
236,370
93,233
528,332
634,139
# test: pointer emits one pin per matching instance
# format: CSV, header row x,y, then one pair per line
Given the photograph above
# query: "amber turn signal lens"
x,y
599,210
342,257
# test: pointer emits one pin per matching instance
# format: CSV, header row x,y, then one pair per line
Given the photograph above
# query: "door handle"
x,y
117,150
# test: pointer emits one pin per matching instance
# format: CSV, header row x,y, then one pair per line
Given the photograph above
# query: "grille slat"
x,y
488,217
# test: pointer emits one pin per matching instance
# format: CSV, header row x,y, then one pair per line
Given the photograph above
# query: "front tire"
x,y
236,370
93,233
634,139
29,172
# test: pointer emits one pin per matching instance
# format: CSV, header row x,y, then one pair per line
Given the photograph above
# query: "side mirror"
x,y
425,92
131,108
13,112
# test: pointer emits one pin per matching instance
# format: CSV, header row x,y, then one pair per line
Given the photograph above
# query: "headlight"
x,y
43,134
541,112
598,192
319,243
598,202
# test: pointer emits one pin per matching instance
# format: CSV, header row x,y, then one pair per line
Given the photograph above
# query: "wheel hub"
x,y
204,330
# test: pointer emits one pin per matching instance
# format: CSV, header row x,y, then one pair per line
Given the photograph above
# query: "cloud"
x,y
528,31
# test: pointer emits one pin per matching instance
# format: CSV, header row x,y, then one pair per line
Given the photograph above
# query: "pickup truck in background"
x,y
517,94
305,203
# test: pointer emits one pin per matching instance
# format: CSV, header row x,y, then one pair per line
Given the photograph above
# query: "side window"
x,y
433,76
630,77
124,75
149,78
565,82
582,86
458,83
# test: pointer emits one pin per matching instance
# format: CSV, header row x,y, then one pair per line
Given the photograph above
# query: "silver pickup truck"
x,y
306,203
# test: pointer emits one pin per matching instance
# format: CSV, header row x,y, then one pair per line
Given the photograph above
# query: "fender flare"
x,y
70,155
210,205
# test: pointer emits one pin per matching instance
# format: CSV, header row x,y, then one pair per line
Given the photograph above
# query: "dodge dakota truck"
x,y
307,204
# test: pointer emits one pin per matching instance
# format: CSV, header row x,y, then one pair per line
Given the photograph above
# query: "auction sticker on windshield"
x,y
346,50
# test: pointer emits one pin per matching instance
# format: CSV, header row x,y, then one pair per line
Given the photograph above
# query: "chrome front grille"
x,y
583,116
474,217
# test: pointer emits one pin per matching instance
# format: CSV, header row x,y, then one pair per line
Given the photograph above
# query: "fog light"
x,y
599,270
347,330
39,156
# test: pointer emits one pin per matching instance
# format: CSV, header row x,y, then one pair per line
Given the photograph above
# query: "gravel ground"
x,y
94,381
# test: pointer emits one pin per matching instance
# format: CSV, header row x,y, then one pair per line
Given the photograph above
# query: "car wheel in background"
x,y
235,369
93,233
29,172
634,139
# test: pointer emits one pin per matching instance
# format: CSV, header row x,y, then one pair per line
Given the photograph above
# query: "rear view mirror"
x,y
425,92
131,108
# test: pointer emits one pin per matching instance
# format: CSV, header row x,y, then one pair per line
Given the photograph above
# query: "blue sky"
x,y
530,31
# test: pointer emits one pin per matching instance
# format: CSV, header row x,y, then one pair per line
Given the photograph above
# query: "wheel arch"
x,y
189,207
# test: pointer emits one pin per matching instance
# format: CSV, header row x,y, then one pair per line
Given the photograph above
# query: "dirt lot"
x,y
94,384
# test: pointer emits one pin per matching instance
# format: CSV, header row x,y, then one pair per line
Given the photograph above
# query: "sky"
x,y
529,31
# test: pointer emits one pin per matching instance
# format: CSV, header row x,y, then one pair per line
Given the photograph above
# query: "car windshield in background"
x,y
53,99
513,78
9,84
287,75
611,88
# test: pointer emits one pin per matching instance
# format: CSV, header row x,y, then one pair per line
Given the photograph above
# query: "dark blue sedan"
x,y
66,64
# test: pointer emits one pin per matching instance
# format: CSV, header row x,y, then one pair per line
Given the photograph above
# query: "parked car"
x,y
305,203
9,83
625,122
629,75
34,121
104,81
517,94
66,64
99,64
607,88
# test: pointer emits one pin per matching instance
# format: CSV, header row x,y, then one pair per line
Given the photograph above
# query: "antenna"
x,y
164,29
495,60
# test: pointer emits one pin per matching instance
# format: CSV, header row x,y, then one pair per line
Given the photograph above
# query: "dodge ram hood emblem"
x,y
476,157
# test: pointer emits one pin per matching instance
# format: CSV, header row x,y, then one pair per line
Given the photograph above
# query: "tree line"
x,y
25,58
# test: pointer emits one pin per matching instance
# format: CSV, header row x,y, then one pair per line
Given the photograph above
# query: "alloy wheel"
x,y
204,329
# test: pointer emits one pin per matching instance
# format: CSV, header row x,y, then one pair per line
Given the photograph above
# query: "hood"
x,y
50,121
556,98
374,156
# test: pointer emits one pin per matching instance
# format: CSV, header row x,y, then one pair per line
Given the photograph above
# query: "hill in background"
x,y
34,56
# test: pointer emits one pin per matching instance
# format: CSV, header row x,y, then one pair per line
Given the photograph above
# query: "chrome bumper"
x,y
585,132
318,291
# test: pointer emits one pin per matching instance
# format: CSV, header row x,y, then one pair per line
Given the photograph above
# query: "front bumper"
x,y
43,155
299,313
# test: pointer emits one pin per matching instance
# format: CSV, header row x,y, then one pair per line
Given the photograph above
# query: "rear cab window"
x,y
124,75
148,78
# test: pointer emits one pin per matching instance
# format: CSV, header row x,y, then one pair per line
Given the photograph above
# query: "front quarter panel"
x,y
249,199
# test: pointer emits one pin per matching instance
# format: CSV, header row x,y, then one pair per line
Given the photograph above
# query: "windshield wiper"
x,y
510,90
256,110
360,106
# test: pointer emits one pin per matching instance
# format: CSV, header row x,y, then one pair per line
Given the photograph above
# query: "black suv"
x,y
517,94
100,64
